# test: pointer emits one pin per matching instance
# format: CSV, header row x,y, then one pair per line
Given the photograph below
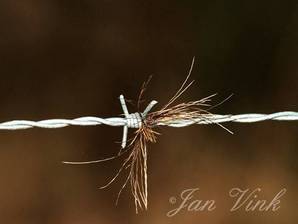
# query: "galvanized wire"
x,y
241,118
134,120
122,121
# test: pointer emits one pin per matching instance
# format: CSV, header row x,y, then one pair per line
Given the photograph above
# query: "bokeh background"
x,y
66,59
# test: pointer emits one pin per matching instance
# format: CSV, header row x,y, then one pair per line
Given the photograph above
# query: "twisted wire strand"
x,y
240,118
119,121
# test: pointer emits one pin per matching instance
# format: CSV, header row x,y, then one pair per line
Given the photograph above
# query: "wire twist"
x,y
240,118
134,120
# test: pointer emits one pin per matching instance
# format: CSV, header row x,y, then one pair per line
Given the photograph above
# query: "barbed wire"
x,y
119,121
134,120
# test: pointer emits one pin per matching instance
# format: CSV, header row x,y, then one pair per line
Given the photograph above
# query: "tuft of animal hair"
x,y
136,161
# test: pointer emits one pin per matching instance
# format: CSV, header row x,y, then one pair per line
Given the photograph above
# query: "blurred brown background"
x,y
65,59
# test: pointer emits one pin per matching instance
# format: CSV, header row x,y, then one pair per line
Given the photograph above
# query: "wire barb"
x,y
133,120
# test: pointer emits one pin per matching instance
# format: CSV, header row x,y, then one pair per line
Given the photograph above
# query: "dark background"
x,y
66,59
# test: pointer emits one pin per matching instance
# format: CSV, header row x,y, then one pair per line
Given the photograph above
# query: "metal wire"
x,y
241,118
134,120
120,121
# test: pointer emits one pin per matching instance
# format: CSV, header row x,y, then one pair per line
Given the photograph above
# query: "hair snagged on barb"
x,y
136,161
